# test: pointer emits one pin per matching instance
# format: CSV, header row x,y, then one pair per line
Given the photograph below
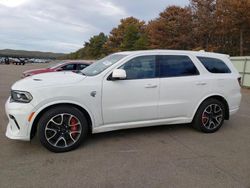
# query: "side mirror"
x,y
119,74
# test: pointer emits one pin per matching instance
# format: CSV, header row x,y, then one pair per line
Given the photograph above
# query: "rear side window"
x,y
69,67
214,65
173,66
81,66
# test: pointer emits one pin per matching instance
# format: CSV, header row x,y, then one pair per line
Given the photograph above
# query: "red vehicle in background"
x,y
74,66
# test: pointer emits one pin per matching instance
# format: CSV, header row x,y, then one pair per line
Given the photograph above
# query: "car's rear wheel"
x,y
62,128
209,116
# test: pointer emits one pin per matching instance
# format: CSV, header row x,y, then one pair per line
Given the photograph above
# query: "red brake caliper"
x,y
73,126
204,119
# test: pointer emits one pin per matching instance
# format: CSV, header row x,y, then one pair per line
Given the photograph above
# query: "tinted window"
x,y
214,65
140,67
173,65
69,67
82,66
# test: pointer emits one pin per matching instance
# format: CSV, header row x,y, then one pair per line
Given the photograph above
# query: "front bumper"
x,y
18,127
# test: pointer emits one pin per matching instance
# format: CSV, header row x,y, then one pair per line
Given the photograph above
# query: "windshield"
x,y
102,64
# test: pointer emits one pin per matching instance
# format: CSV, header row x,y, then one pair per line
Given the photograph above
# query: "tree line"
x,y
213,25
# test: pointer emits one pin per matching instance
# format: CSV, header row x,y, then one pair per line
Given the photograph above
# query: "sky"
x,y
64,25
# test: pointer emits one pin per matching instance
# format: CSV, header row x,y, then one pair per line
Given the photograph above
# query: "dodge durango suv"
x,y
124,90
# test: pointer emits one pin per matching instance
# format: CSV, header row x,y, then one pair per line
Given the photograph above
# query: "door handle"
x,y
201,83
150,86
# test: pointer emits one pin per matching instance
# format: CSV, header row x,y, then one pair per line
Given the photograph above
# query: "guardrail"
x,y
242,64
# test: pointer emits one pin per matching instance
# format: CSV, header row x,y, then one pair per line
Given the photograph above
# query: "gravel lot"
x,y
164,156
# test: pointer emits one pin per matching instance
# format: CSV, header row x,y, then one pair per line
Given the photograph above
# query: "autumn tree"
x,y
128,35
233,26
95,47
172,30
204,25
213,25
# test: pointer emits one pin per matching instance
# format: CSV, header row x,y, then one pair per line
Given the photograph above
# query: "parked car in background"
x,y
124,90
73,66
19,61
2,60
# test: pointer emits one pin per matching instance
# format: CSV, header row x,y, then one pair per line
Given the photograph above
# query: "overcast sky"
x,y
64,25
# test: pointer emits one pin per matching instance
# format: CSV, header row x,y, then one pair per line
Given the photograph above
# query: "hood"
x,y
47,79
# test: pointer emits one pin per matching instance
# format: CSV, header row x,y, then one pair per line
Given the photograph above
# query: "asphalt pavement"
x,y
163,156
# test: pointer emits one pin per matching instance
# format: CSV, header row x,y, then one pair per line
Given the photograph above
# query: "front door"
x,y
135,98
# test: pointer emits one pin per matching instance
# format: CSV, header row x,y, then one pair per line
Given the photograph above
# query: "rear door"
x,y
181,86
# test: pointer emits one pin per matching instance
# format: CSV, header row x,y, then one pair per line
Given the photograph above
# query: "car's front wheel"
x,y
62,128
209,116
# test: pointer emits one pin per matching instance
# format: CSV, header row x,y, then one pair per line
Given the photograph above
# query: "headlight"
x,y
20,96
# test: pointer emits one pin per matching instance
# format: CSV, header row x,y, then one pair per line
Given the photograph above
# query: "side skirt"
x,y
137,124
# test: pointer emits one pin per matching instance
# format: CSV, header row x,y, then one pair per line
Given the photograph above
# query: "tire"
x,y
62,128
209,116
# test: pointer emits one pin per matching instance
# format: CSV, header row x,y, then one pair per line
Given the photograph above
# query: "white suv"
x,y
124,90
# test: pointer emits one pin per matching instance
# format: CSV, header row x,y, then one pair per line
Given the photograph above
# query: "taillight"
x,y
239,80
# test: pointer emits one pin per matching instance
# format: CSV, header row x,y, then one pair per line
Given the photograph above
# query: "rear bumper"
x,y
233,111
18,127
234,103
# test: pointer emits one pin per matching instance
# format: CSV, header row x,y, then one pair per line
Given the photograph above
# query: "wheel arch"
x,y
218,97
46,108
